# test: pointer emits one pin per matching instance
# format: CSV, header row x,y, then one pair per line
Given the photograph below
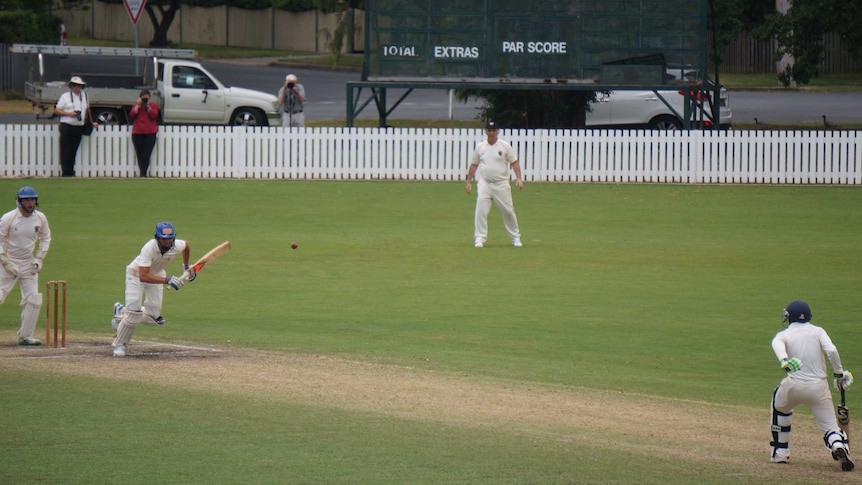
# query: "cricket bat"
x,y
208,258
844,416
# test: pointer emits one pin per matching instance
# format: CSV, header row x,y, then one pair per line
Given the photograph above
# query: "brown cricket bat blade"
x,y
210,256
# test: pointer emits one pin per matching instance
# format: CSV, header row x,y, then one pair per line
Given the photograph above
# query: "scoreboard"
x,y
599,42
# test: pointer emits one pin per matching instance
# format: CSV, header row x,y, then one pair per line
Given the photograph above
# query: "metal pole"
x,y
137,63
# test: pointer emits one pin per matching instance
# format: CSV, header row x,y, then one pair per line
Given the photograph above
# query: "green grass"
x,y
668,291
658,270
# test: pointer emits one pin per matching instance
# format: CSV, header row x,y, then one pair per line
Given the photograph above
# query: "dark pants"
x,y
144,145
70,140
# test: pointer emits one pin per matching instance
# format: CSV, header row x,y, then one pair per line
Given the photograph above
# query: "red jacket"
x,y
145,121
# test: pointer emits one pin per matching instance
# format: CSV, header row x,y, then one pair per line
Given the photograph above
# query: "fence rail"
x,y
628,156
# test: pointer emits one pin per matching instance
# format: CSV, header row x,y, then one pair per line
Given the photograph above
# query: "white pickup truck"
x,y
186,92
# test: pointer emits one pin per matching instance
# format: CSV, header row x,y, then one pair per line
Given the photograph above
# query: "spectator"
x,y
73,110
145,117
291,98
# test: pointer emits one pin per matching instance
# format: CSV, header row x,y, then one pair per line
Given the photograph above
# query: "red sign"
x,y
135,7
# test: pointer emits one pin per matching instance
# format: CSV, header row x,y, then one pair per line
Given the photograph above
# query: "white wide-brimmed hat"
x,y
76,80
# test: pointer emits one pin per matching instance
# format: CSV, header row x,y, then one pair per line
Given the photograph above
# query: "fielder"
x,y
800,349
491,160
20,229
145,282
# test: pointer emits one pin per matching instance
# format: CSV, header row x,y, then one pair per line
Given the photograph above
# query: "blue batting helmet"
x,y
27,192
165,230
797,311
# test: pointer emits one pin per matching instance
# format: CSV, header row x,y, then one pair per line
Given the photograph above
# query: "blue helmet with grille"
x,y
27,192
165,230
797,311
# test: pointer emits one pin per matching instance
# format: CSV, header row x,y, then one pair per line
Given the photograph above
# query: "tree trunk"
x,y
784,64
162,21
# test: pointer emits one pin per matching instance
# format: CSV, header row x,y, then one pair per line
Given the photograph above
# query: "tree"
x,y
532,109
800,34
161,13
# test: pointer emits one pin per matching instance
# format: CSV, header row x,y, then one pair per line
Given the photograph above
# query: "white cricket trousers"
x,y
814,394
31,300
501,194
137,293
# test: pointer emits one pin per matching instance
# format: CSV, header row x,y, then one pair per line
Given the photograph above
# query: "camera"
x,y
145,100
78,115
290,85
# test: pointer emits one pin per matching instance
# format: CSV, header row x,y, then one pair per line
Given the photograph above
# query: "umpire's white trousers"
x,y
501,194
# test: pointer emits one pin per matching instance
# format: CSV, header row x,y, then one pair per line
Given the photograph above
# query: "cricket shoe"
x,y
842,455
479,243
120,351
29,341
517,243
161,320
118,315
780,455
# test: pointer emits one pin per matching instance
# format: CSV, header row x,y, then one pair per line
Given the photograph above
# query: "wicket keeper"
x,y
20,229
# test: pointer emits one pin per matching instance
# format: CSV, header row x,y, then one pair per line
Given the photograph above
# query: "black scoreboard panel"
x,y
533,41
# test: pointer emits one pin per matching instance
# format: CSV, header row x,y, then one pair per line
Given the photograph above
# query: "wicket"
x,y
58,286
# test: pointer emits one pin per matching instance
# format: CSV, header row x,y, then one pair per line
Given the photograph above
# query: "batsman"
x,y
800,349
146,279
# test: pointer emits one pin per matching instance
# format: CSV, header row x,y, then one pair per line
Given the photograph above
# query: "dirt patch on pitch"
x,y
732,437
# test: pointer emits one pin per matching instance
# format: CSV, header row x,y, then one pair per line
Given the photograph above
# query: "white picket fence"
x,y
635,156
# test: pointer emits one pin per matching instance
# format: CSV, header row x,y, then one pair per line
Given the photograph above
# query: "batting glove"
x,y
174,282
791,365
842,380
189,274
37,265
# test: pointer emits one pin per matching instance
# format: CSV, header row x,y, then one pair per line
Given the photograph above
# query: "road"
x,y
326,93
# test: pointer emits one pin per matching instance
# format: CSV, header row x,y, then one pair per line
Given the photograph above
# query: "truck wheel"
x,y
248,117
109,116
665,122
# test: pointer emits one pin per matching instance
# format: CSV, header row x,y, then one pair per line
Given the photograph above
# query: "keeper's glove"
x,y
842,380
9,266
791,365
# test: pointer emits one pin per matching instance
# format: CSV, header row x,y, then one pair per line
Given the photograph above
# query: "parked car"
x,y
657,110
186,92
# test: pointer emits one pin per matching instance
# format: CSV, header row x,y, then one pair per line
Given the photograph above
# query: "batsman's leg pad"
x,y
127,326
780,434
31,309
124,333
835,439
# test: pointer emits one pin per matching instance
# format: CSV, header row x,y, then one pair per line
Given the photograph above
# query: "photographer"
x,y
72,108
145,116
291,98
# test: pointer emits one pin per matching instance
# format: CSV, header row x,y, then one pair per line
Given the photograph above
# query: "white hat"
x,y
76,80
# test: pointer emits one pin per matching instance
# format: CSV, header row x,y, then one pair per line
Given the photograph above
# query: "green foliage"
x,y
294,5
43,6
725,23
531,109
335,40
29,27
801,30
